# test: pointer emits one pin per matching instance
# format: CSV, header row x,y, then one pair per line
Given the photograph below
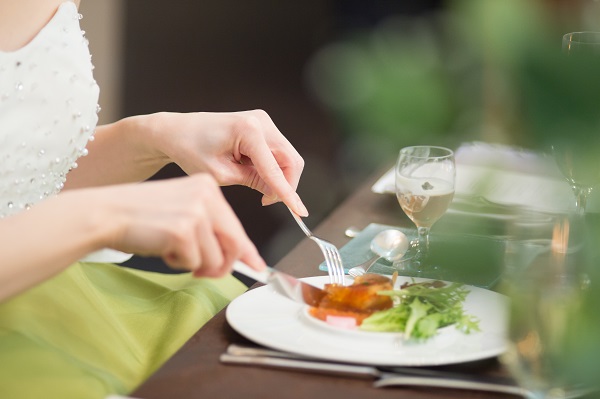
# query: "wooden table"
x,y
195,371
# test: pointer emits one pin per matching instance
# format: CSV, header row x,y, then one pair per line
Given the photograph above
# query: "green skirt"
x,y
98,329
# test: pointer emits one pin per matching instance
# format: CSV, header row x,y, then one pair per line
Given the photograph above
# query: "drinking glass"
x,y
425,178
576,154
545,283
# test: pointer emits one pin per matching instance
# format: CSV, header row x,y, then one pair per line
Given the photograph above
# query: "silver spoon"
x,y
352,232
388,244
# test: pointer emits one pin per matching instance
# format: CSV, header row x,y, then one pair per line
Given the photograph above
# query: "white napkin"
x,y
107,255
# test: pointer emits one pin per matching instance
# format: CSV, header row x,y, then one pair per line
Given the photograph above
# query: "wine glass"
x,y
425,178
545,283
576,154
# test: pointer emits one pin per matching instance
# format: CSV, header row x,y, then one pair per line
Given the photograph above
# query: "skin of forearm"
x,y
121,152
41,242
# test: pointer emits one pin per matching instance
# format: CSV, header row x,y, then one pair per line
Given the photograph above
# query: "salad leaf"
x,y
421,309
418,310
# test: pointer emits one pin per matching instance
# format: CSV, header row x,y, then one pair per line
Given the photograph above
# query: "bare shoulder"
x,y
21,20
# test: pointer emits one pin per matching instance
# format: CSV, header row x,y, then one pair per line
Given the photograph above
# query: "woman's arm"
x,y
186,221
121,152
235,148
39,243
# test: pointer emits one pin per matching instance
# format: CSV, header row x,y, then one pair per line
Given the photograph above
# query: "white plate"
x,y
267,318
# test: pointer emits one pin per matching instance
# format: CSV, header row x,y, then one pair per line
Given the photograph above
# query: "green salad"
x,y
421,309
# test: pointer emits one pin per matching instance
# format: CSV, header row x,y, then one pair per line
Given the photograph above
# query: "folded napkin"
x,y
470,259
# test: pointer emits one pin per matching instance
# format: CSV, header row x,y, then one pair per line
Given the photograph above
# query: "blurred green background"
x,y
474,70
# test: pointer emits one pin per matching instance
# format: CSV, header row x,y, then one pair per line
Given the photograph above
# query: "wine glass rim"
x,y
579,37
449,152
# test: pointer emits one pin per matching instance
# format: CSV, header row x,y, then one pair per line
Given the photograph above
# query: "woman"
x,y
67,189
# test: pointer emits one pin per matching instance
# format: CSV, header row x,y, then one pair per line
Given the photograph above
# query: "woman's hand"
x,y
236,148
186,221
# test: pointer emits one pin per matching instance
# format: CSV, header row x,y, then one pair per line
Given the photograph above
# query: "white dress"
x,y
48,111
96,328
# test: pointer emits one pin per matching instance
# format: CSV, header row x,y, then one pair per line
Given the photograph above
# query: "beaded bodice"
x,y
48,111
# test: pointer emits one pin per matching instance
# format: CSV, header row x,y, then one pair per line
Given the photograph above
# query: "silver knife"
x,y
397,377
283,283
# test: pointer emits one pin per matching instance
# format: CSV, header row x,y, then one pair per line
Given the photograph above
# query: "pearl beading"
x,y
48,111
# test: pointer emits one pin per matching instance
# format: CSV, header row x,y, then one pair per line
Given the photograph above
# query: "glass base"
x,y
416,264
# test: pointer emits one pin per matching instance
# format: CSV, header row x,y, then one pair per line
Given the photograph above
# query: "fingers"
x,y
186,221
236,148
232,252
292,175
275,160
229,241
210,249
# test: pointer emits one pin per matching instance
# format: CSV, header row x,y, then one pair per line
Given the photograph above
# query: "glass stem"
x,y
423,241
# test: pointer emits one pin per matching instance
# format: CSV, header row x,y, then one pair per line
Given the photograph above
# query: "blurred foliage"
x,y
387,86
381,83
487,70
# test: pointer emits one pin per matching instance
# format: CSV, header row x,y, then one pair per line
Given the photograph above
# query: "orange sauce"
x,y
358,301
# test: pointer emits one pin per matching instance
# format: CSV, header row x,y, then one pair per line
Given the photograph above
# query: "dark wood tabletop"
x,y
195,371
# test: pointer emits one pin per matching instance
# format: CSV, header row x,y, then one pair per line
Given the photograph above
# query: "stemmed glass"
x,y
425,178
576,154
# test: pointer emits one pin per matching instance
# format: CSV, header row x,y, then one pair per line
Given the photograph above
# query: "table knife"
x,y
283,283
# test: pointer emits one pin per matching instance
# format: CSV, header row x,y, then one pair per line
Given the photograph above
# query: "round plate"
x,y
269,319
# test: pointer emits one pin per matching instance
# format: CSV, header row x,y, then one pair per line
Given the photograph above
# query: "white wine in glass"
x,y
425,178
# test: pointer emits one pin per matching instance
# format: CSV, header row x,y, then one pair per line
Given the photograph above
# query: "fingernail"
x,y
302,211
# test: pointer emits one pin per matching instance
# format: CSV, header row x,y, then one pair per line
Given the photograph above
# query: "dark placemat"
x,y
470,259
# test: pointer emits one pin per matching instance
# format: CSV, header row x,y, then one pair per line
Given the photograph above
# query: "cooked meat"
x,y
358,300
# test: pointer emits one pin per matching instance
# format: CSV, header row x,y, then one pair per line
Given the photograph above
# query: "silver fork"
x,y
333,260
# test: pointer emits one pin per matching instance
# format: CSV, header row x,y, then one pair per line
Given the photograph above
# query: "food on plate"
x,y
421,309
418,310
357,301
